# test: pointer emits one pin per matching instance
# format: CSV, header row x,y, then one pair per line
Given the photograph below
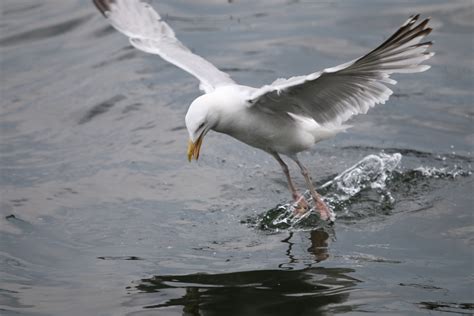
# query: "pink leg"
x,y
321,206
301,204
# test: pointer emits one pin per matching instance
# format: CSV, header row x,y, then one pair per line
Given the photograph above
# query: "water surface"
x,y
102,215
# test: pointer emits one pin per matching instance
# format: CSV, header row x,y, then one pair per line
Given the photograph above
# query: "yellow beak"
x,y
194,148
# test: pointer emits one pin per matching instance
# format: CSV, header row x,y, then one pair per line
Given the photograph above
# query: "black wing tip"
x,y
423,32
413,30
411,19
103,5
414,19
428,44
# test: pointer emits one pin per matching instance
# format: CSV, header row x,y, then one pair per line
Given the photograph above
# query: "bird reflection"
x,y
309,291
191,308
319,244
284,291
319,248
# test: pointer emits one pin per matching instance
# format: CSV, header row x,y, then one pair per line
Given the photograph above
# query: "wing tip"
x,y
411,20
420,26
427,31
103,5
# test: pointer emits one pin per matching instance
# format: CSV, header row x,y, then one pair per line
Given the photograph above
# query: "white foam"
x,y
370,172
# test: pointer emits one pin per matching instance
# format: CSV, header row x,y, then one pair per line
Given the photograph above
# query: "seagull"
x,y
287,116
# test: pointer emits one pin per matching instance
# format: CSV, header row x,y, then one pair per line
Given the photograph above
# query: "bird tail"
x,y
329,130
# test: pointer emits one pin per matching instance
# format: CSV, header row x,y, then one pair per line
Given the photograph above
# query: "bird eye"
x,y
201,126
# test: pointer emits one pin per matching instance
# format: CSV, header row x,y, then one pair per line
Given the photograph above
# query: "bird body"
x,y
289,115
230,112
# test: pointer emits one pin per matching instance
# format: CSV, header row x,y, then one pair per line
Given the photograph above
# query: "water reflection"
x,y
264,292
319,244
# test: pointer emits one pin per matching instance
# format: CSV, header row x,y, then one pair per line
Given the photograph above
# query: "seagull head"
x,y
200,119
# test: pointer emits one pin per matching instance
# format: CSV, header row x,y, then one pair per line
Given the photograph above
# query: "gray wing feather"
x,y
335,94
148,32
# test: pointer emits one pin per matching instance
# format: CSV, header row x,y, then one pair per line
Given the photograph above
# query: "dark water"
x,y
102,215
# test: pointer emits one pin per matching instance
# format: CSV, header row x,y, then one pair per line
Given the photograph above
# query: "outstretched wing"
x,y
149,33
335,94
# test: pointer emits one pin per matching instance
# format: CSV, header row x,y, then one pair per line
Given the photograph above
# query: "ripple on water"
x,y
45,32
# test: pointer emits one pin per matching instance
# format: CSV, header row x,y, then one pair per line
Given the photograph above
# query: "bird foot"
x,y
324,211
301,206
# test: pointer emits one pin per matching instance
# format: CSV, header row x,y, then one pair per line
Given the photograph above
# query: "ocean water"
x,y
101,214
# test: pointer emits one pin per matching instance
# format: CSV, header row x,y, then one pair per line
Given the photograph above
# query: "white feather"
x,y
149,33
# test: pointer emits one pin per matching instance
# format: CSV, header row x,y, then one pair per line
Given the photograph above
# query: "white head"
x,y
201,117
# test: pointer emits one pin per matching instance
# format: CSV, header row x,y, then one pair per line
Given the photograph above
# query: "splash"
x,y
376,185
433,172
372,172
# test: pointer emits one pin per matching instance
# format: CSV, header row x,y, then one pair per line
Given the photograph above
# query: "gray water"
x,y
101,214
